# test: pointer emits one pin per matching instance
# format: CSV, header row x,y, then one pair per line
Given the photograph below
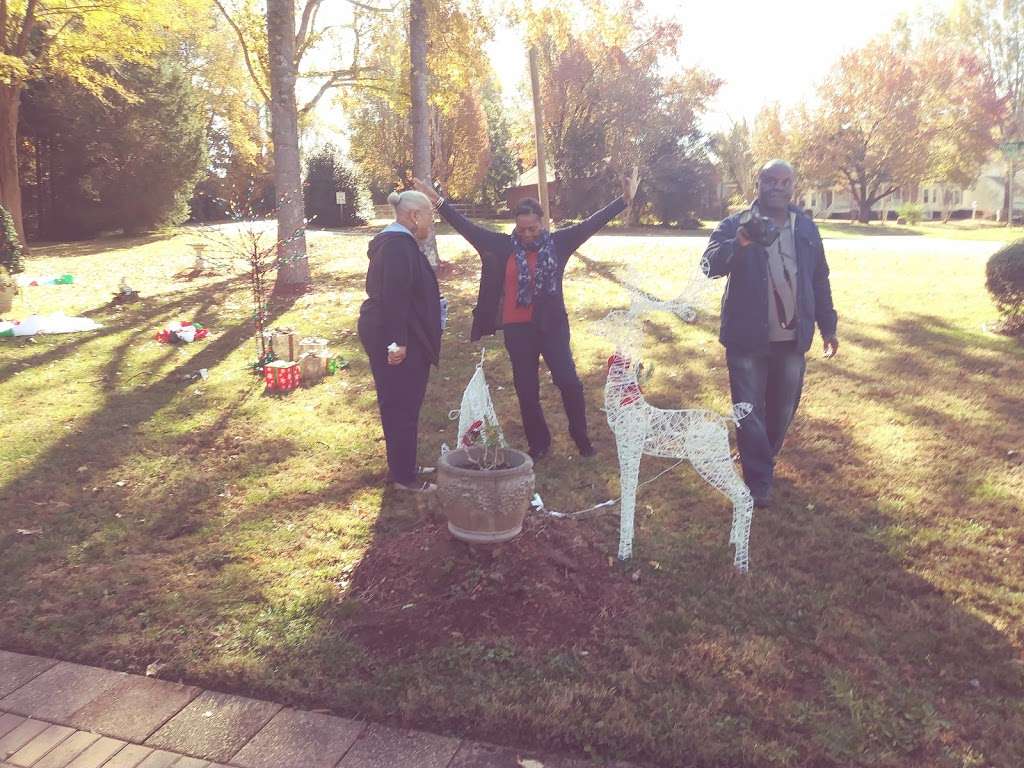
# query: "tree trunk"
x,y
10,186
863,201
293,265
635,208
420,114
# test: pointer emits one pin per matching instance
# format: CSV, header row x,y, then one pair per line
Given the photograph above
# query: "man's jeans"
x,y
771,383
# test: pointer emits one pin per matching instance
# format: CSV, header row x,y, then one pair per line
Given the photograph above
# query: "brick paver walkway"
x,y
54,714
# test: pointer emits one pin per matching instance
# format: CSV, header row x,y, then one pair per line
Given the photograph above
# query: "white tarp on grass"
x,y
57,323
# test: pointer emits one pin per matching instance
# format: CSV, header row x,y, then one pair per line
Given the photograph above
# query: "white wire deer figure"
x,y
698,436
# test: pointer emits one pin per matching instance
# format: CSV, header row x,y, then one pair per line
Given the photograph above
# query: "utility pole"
x,y
538,119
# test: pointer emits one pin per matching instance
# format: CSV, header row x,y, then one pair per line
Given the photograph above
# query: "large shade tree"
x,y
277,54
129,166
381,116
889,118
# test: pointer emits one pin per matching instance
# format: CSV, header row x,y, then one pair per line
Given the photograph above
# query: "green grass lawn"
x,y
246,542
955,230
987,231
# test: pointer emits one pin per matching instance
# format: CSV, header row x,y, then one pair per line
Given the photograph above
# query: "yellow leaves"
x,y
12,69
87,42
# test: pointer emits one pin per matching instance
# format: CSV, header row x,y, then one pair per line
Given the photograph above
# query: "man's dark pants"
x,y
400,392
526,343
771,382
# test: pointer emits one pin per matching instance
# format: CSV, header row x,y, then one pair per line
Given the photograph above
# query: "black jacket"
x,y
404,300
495,248
745,303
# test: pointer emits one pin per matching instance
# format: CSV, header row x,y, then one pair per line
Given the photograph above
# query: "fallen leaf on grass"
x,y
30,531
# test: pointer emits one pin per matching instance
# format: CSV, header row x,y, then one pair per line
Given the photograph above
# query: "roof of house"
x,y
529,178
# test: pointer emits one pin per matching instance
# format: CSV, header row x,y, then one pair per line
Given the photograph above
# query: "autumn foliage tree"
x,y
234,113
895,114
735,160
379,115
769,140
966,111
607,107
994,31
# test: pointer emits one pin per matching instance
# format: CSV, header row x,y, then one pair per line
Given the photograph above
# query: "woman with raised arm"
x,y
521,293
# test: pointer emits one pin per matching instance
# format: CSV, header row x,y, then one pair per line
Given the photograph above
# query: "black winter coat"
x,y
404,301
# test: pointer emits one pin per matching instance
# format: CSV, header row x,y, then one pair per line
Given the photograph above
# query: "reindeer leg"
x,y
629,440
716,467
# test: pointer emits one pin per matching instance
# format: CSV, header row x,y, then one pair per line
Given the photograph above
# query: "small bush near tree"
x,y
10,245
910,213
1004,278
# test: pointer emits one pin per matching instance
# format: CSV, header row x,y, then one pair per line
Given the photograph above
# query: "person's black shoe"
x,y
587,450
539,453
763,501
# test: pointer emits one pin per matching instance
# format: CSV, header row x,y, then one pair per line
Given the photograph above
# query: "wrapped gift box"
x,y
313,346
282,376
313,367
284,343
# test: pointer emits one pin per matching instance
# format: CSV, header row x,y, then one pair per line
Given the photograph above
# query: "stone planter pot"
x,y
484,506
7,294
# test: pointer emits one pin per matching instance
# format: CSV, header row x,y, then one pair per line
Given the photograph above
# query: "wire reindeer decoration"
x,y
695,435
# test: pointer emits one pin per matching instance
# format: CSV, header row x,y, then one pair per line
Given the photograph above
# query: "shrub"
x,y
1004,278
911,213
10,245
326,175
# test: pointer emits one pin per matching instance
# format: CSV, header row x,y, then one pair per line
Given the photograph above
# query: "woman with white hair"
x,y
400,328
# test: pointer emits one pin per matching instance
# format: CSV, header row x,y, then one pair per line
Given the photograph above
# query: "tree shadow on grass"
x,y
961,384
73,249
842,647
102,440
142,315
837,649
832,652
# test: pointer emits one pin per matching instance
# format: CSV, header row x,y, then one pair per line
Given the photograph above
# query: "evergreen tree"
x,y
326,175
10,244
505,167
131,166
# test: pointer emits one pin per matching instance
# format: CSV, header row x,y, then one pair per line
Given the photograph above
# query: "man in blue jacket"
x,y
777,289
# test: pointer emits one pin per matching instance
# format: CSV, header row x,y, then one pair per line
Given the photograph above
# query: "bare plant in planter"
x,y
484,486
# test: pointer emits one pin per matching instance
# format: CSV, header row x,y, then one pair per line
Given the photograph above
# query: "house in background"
x,y
526,186
984,199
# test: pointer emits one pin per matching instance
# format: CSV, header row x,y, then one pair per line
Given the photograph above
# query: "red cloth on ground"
x,y
510,313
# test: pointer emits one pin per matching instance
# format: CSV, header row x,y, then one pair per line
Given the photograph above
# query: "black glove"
x,y
759,229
